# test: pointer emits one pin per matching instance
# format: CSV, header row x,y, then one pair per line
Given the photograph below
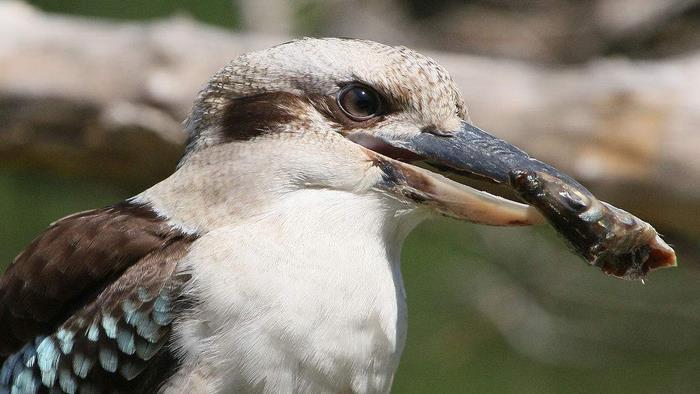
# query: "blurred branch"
x,y
106,99
637,19
103,99
267,17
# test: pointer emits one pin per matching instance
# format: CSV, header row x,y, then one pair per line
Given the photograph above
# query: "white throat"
x,y
306,296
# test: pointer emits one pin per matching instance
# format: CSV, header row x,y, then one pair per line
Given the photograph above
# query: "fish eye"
x,y
359,102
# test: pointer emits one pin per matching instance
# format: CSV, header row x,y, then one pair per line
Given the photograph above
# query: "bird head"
x,y
346,114
376,121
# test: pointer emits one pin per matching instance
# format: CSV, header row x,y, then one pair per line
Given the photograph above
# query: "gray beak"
x,y
475,152
619,243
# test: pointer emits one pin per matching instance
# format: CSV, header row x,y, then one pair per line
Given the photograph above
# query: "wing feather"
x,y
89,302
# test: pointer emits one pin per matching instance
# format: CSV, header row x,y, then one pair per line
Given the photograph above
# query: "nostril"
x,y
432,129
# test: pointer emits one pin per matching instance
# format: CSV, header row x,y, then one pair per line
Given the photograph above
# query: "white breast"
x,y
305,297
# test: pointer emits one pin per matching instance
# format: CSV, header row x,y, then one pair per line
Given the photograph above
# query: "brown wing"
x,y
67,267
88,304
115,343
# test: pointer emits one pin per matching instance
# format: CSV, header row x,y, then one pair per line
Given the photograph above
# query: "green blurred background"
x,y
490,310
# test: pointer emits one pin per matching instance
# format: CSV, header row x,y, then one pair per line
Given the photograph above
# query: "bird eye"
x,y
359,102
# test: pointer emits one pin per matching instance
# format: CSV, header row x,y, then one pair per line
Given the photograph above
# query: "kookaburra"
x,y
269,260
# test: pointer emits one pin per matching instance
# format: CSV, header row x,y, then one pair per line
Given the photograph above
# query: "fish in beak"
x,y
616,241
